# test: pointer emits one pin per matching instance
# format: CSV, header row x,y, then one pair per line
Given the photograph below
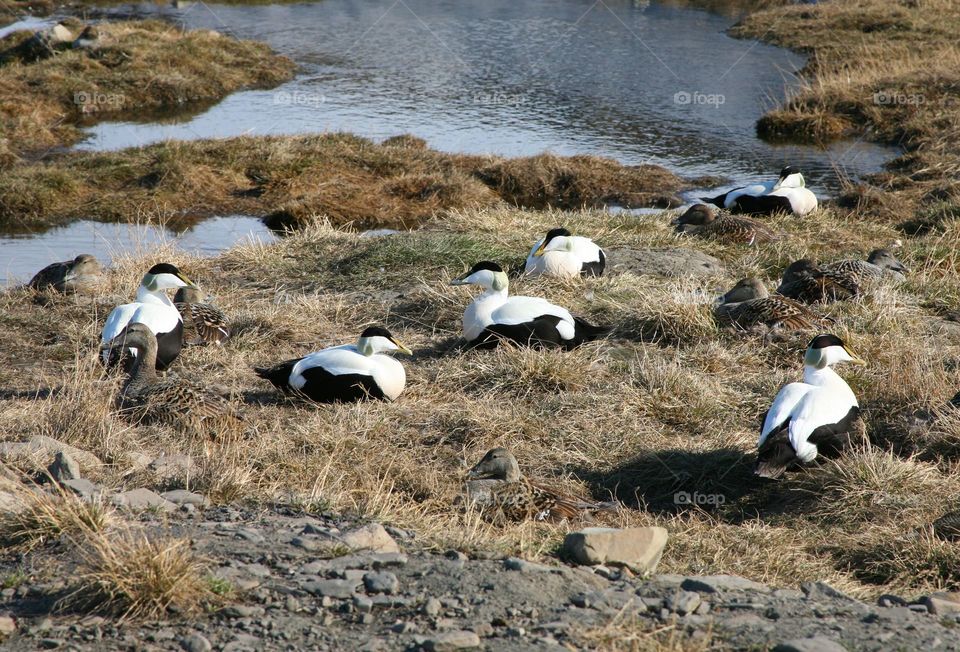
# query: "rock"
x,y
7,626
381,582
41,448
184,497
370,537
683,603
890,600
812,644
139,499
195,643
458,639
340,589
522,565
169,467
432,607
63,467
10,503
639,549
942,602
717,583
84,488
664,261
242,611
822,590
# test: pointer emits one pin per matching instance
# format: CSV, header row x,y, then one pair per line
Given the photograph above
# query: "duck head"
x,y
828,350
165,276
377,339
486,274
790,177
497,464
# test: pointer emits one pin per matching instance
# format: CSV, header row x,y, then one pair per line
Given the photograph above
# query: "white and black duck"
x,y
565,255
788,194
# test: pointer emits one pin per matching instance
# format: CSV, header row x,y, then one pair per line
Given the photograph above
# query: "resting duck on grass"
x,y
351,372
81,274
496,487
880,264
808,282
532,321
702,220
178,402
154,310
749,304
788,194
209,323
811,418
565,255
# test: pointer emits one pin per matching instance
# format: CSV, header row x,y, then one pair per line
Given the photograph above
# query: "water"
x,y
642,82
22,256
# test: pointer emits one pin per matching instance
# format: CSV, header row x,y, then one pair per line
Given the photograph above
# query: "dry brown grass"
x,y
42,517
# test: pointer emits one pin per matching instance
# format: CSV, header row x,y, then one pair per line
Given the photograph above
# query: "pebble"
x,y
195,643
242,611
362,603
454,640
432,607
683,603
340,589
381,582
7,625
717,583
812,644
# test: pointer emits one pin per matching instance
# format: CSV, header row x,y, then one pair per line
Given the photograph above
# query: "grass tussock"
x,y
40,518
134,67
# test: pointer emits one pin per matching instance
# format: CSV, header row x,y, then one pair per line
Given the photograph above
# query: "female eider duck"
x,y
788,194
497,489
702,220
881,263
351,372
526,320
208,322
809,418
82,274
565,255
178,402
153,309
749,304
806,281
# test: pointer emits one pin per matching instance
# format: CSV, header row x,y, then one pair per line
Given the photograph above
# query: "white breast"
x,y
389,374
158,316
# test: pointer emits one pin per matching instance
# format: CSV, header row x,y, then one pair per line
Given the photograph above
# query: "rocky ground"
x,y
296,580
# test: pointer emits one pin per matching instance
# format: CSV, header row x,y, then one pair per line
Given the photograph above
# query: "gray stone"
x,y
717,583
340,589
458,639
41,448
7,625
822,590
812,644
683,602
370,537
639,549
184,497
362,604
242,611
663,261
388,560
63,467
381,582
195,643
139,499
942,602
84,488
516,564
432,607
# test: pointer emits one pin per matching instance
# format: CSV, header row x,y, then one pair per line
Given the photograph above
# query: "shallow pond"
x,y
642,82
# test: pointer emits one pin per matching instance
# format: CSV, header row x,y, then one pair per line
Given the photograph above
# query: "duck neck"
x,y
822,376
146,295
143,369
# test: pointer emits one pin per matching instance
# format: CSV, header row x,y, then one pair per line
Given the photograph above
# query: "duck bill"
x,y
459,281
401,348
540,250
854,359
190,284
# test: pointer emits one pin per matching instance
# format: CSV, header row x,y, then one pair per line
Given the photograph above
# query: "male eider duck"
x,y
806,281
82,274
702,220
565,255
351,372
749,304
497,489
881,263
178,402
206,321
809,418
154,309
788,194
526,320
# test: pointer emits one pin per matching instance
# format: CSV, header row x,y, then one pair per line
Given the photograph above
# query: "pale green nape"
x,y
365,346
150,282
815,358
803,182
500,281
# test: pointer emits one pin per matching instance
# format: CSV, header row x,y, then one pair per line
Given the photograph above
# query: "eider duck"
x,y
805,281
525,320
879,264
351,372
178,402
82,274
497,489
809,418
947,527
749,304
207,322
703,221
788,194
565,255
154,309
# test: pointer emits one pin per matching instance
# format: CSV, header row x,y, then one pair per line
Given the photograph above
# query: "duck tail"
x,y
587,332
717,201
278,375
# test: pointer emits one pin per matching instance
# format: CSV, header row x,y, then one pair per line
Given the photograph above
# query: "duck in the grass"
x,y
749,304
351,372
788,194
880,264
808,282
82,274
564,255
494,315
179,402
703,220
204,322
500,492
811,418
154,309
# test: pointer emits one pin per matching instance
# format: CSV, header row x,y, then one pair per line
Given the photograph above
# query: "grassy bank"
x,y
883,71
669,403
128,69
291,180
